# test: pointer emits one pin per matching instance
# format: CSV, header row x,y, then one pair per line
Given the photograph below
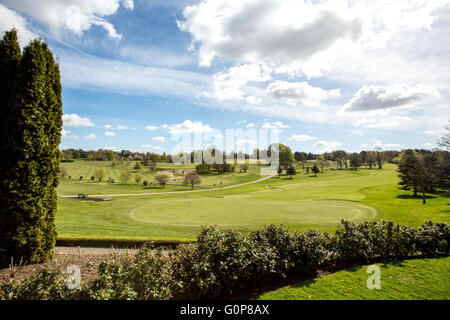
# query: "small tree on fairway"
x,y
315,169
244,167
137,179
152,165
162,178
291,171
125,176
100,174
379,158
279,171
355,161
63,172
138,165
192,178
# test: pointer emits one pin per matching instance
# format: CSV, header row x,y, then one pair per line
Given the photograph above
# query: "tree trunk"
x,y
415,191
423,197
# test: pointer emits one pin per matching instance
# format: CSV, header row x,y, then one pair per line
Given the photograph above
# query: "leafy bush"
x,y
221,264
362,243
45,285
433,239
146,277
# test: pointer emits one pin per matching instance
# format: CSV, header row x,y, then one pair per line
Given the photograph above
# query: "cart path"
x,y
173,192
88,250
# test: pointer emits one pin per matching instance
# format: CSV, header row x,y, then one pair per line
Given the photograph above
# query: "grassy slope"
x,y
87,169
301,203
410,279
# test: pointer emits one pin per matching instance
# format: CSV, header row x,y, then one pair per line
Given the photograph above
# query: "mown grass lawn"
x,y
87,169
406,280
302,203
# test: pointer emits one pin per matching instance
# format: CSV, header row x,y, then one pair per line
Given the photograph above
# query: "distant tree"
x,y
125,176
363,157
285,156
379,158
244,167
302,160
109,155
320,160
291,171
445,140
162,178
279,171
315,169
92,178
355,161
100,174
371,158
63,172
138,165
340,156
137,179
152,164
192,178
81,178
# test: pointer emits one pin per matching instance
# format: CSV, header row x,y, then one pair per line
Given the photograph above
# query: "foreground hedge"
x,y
223,264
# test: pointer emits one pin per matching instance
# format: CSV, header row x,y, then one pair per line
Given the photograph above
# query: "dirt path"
x,y
172,192
85,250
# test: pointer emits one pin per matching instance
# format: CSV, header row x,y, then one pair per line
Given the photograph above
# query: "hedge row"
x,y
223,264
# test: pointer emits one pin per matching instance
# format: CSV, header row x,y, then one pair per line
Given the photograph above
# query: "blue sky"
x,y
325,75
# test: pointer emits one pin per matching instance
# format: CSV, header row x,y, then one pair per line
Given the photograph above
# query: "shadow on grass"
x,y
411,196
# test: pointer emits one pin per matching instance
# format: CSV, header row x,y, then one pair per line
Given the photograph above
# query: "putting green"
x,y
246,213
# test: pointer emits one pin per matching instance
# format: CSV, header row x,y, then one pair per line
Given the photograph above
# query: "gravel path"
x,y
172,192
85,250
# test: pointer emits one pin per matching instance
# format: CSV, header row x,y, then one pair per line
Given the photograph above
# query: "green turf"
x,y
422,279
86,169
305,202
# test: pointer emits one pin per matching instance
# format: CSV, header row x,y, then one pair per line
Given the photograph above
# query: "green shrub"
x,y
45,285
362,243
221,263
147,276
433,239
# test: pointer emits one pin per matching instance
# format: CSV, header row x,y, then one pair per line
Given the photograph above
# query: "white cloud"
x,y
301,137
147,146
91,136
10,19
276,125
130,79
242,142
71,15
109,134
373,97
326,146
108,126
187,127
66,134
158,148
250,125
74,120
109,148
380,144
227,84
151,128
429,145
300,92
275,32
121,128
129,4
159,139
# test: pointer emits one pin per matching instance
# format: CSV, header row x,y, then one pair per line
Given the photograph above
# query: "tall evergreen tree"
x,y
30,190
408,169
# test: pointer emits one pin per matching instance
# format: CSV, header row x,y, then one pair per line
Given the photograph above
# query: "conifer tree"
x,y
28,207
